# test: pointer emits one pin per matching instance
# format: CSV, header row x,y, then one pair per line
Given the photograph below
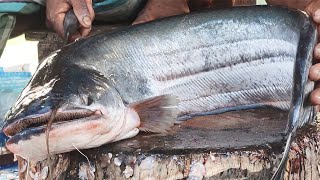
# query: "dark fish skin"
x,y
214,61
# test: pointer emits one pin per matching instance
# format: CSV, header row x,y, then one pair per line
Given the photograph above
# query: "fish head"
x,y
78,107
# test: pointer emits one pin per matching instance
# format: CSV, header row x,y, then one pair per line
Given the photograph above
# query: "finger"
x,y
316,16
315,97
81,10
48,24
313,9
310,9
84,32
90,8
74,37
314,72
316,51
57,24
55,14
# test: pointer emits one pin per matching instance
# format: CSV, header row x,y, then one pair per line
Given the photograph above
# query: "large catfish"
x,y
108,87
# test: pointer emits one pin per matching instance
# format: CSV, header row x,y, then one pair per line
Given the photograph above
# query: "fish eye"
x,y
89,101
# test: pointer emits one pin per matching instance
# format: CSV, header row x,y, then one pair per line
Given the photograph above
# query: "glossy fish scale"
x,y
209,64
265,79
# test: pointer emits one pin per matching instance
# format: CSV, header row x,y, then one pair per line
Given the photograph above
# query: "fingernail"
x,y
86,20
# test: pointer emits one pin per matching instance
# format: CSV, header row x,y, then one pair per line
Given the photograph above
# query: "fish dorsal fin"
x,y
157,114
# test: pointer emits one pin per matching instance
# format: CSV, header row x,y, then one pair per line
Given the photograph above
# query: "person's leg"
x,y
156,9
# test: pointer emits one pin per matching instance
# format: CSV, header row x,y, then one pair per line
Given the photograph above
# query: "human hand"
x,y
313,9
56,12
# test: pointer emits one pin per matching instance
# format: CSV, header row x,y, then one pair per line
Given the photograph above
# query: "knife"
x,y
70,25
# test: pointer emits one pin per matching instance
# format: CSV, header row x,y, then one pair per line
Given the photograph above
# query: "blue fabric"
x,y
11,85
13,81
105,5
19,7
27,7
3,139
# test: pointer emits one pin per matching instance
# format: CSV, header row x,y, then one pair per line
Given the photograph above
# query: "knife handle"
x,y
70,24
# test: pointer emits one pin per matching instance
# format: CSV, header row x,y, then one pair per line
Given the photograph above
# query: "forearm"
x,y
299,4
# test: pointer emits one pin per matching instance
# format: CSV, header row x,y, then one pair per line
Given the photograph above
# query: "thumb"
x,y
81,10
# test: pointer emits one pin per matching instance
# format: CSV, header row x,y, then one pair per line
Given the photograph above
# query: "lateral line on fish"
x,y
170,52
244,91
206,83
154,67
172,77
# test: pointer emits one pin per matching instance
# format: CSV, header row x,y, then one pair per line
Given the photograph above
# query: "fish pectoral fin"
x,y
157,114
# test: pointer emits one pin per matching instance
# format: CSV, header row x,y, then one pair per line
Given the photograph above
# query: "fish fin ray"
x,y
157,114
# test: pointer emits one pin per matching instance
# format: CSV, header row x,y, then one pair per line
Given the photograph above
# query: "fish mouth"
x,y
41,120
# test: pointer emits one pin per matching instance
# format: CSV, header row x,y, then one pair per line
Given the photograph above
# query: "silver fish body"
x,y
213,61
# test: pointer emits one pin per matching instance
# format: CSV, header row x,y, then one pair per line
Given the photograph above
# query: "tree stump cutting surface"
x,y
239,144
